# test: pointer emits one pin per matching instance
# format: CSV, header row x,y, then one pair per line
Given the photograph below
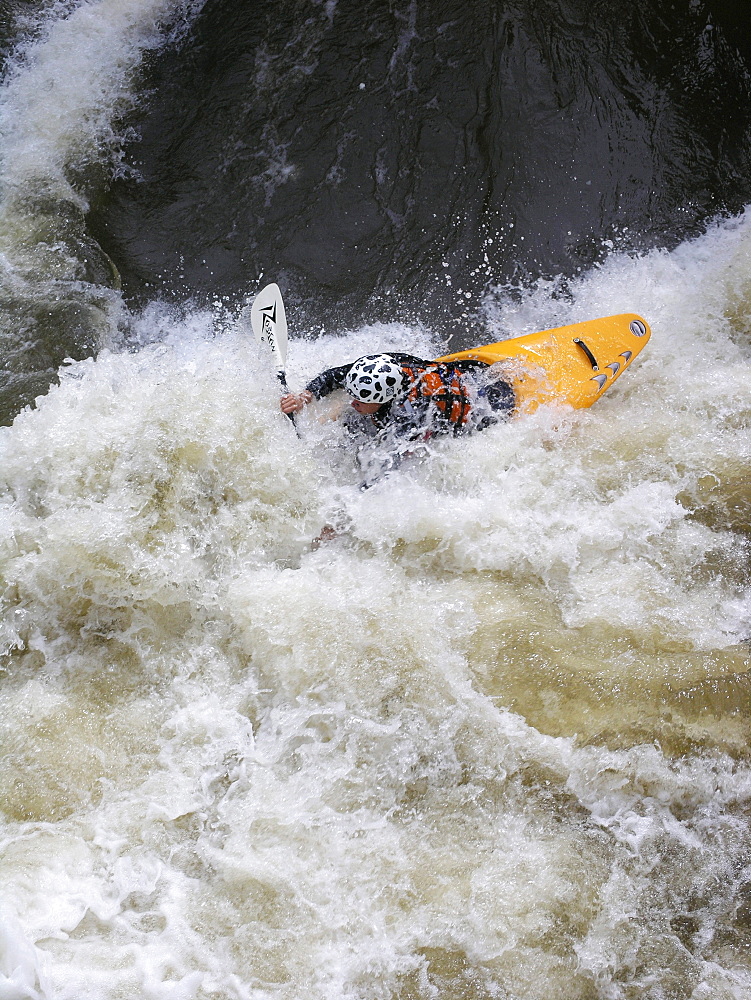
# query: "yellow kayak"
x,y
572,364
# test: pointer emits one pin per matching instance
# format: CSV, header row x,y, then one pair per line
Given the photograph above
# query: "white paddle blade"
x,y
269,322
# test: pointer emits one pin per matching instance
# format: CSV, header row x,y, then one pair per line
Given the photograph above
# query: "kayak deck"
x,y
572,364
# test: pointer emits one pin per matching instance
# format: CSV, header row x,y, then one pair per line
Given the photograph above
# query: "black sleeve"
x,y
463,364
328,381
408,359
468,364
333,378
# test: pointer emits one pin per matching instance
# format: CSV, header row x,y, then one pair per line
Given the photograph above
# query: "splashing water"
x,y
65,90
492,742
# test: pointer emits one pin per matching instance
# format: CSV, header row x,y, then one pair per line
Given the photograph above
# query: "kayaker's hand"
x,y
292,403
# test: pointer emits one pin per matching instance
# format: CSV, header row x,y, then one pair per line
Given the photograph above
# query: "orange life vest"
x,y
443,386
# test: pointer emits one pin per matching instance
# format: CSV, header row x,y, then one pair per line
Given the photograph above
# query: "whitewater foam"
x,y
489,742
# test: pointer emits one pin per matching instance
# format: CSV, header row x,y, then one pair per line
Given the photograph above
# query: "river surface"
x,y
492,740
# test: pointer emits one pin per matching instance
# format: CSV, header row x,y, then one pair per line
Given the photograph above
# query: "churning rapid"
x,y
491,741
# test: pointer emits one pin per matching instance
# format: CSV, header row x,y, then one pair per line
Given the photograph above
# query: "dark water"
x,y
380,157
379,160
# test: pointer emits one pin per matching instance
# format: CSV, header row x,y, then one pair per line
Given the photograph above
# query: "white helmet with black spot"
x,y
376,378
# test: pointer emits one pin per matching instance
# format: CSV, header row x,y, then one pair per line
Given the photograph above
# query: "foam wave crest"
x,y
71,78
84,53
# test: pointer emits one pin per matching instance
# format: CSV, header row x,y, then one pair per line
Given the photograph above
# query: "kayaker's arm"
x,y
322,385
328,381
331,380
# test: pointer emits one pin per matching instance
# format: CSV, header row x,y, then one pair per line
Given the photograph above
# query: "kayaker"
x,y
411,399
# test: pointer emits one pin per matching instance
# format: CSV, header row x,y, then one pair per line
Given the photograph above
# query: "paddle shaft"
x,y
285,390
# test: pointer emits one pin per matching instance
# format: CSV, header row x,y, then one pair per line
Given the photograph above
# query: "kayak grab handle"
x,y
590,355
